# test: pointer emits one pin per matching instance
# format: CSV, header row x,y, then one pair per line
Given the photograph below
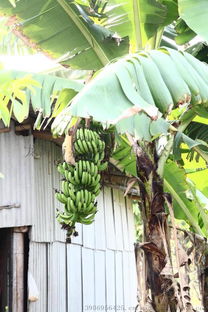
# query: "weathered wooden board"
x,y
110,280
126,281
119,280
118,220
57,272
74,278
17,194
109,219
100,235
38,269
44,214
88,279
131,224
89,235
133,279
100,283
124,221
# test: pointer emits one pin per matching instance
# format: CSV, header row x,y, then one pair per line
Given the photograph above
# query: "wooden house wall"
x,y
97,271
17,186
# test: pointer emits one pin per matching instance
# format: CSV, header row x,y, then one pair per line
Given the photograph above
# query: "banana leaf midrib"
x,y
94,44
137,26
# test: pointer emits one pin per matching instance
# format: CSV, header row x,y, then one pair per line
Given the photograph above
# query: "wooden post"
x,y
18,270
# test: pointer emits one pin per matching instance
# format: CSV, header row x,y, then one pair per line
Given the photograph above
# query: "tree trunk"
x,y
166,293
155,225
205,282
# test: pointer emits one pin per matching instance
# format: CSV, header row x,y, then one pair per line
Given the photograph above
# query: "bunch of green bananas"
x,y
81,183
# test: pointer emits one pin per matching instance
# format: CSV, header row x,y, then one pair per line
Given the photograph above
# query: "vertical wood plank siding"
x,y
74,277
86,276
38,267
97,271
17,186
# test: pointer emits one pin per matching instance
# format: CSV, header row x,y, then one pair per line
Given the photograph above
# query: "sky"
x,y
29,63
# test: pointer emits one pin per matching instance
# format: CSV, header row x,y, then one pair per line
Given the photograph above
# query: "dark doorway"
x,y
5,270
14,253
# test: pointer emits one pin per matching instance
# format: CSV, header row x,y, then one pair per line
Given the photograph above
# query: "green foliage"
x,y
195,13
10,44
197,145
186,203
13,98
150,83
98,31
184,33
65,29
125,157
185,207
196,170
18,90
140,20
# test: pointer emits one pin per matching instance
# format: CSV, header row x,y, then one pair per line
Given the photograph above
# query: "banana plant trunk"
x,y
155,244
205,282
167,294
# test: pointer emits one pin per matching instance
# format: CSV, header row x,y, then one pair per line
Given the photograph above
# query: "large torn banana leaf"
x,y
10,44
129,92
64,29
89,35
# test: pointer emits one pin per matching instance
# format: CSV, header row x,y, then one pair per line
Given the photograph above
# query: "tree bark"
x,y
205,282
166,293
155,225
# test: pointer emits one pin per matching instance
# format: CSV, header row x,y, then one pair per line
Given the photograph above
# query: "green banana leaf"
x,y
195,137
63,29
198,129
197,171
198,145
145,19
184,33
124,157
185,208
47,95
189,209
89,36
10,44
195,14
122,88
118,79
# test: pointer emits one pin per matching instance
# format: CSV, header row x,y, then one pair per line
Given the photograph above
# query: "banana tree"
x,y
137,94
